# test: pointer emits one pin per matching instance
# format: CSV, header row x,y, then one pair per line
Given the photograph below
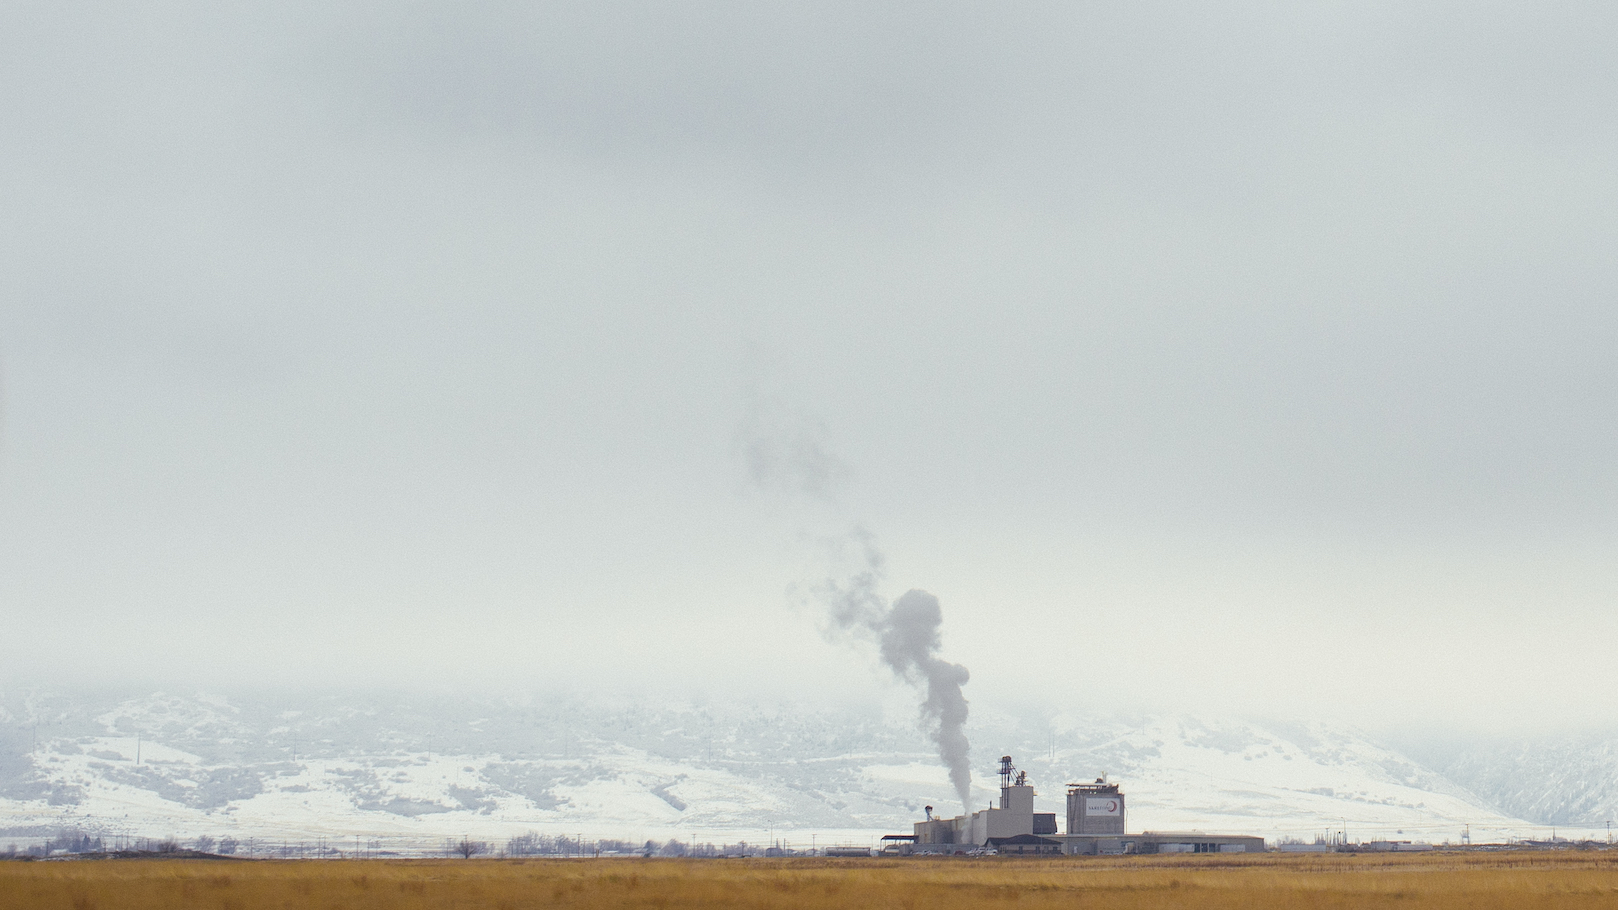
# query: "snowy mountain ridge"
x,y
414,767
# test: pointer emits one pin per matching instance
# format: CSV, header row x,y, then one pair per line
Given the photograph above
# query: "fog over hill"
x,y
413,766
1565,779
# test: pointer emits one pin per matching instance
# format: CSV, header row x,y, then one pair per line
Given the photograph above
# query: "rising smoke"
x,y
908,636
783,451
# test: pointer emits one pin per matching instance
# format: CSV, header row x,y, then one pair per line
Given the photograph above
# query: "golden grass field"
x,y
1451,881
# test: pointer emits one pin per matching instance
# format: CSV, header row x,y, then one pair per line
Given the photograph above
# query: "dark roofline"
x,y
1022,840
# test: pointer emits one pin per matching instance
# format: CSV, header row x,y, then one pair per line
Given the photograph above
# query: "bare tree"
x,y
469,848
527,844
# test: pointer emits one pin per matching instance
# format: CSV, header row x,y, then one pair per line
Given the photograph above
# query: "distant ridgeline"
x,y
417,771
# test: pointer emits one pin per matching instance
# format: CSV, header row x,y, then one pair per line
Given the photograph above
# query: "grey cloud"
x,y
362,309
774,85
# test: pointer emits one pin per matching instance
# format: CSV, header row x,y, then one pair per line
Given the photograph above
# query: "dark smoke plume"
x,y
783,450
907,634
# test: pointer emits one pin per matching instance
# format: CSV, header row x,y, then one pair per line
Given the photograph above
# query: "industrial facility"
x,y
1095,825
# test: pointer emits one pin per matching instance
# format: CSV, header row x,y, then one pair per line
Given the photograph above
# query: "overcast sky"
x,y
1242,355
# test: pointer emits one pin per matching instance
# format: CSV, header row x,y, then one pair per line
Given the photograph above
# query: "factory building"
x,y
1013,819
1095,825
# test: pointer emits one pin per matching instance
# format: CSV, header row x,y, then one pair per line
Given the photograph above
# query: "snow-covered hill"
x,y
1278,780
411,767
1556,780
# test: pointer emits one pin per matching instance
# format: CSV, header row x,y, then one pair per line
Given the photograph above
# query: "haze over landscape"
x,y
1227,386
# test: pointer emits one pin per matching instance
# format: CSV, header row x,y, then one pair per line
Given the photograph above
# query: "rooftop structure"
x,y
1096,808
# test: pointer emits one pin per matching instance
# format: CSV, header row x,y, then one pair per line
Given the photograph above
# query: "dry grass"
x,y
1566,881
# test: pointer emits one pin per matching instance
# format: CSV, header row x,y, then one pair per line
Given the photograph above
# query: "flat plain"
x,y
1566,880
